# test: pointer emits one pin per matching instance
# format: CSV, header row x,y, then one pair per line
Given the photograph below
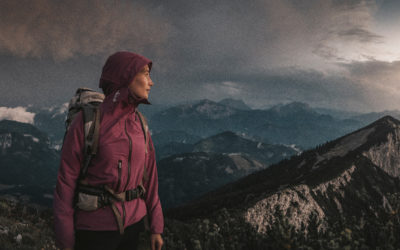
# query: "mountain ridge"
x,y
318,180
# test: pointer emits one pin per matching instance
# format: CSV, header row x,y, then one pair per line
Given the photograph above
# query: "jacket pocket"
x,y
119,175
87,202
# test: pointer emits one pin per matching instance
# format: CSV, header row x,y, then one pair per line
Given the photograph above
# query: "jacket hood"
x,y
120,69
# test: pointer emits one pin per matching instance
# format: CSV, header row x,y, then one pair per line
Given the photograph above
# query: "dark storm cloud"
x,y
360,35
257,35
206,34
376,74
381,78
372,68
65,29
260,51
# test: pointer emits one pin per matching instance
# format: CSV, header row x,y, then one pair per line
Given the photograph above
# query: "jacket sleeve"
x,y
68,173
153,203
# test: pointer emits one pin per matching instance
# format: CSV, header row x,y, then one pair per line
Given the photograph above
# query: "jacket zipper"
x,y
129,170
119,174
129,157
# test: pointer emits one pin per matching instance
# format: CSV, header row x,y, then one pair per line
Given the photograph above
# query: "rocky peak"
x,y
384,146
20,136
237,104
213,110
204,108
350,176
383,134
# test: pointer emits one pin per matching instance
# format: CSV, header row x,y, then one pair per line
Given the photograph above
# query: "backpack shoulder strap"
x,y
91,119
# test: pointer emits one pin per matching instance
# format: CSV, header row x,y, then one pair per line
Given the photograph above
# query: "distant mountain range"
x,y
28,165
233,103
229,142
294,123
348,180
213,162
52,122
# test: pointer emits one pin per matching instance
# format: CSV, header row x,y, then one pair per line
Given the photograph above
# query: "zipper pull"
x,y
119,174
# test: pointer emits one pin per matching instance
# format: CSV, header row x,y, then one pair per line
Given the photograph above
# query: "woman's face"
x,y
141,84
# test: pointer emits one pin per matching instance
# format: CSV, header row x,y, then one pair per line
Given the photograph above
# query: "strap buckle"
x,y
137,192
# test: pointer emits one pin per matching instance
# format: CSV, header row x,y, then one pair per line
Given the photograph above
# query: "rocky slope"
x,y
353,178
184,177
24,226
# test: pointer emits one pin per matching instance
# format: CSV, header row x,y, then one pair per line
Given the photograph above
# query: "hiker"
x,y
117,196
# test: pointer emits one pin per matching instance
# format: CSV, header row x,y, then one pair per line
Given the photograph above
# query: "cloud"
x,y
252,37
379,80
360,34
378,74
18,114
266,51
64,29
228,88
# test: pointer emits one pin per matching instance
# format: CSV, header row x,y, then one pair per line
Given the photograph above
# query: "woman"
x,y
121,161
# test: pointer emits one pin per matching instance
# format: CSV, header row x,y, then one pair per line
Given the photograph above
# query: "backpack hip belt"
x,y
106,196
91,198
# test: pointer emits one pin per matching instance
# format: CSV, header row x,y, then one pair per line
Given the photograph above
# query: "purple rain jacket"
x,y
119,125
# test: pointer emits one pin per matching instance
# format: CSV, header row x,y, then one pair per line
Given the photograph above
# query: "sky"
x,y
338,54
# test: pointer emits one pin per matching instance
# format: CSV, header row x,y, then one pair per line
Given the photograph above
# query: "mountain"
x,y
201,119
172,148
173,142
348,187
28,165
25,226
168,136
293,108
183,177
229,142
341,114
215,161
192,113
52,122
149,110
237,104
294,123
370,117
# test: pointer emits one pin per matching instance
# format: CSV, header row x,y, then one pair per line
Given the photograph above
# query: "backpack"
x,y
88,101
87,197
